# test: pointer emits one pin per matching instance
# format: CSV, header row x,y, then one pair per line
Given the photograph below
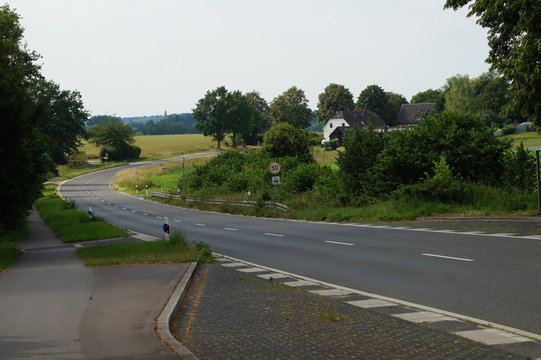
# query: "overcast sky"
x,y
144,57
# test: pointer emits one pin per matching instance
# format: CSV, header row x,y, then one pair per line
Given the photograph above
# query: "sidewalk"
x,y
229,314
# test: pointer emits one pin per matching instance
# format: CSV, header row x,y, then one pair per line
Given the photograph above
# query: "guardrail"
x,y
277,205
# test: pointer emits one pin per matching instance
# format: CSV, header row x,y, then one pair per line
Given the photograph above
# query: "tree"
x,y
261,117
395,102
62,118
430,96
373,98
485,95
284,139
362,148
514,37
22,146
291,107
334,98
240,113
210,113
115,139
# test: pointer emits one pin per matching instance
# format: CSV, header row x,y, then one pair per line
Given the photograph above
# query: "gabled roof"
x,y
361,118
410,112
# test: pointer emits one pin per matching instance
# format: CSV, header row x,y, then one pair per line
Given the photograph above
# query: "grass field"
x,y
8,251
162,146
70,224
528,139
178,249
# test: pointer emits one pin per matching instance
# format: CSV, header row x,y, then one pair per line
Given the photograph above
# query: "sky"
x,y
145,57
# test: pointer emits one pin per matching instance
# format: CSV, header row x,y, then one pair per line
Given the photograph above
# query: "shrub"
x,y
508,130
302,178
285,140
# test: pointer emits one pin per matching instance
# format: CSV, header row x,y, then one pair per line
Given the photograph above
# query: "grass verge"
x,y
70,224
8,251
177,250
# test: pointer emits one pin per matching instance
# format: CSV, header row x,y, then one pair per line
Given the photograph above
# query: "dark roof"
x,y
410,112
361,118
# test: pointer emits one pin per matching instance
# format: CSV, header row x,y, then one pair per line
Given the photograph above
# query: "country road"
x,y
496,277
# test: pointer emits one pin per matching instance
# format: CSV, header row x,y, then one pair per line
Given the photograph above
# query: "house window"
x,y
330,125
343,124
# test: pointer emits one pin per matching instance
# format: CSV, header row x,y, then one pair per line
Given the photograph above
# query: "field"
x,y
162,146
528,139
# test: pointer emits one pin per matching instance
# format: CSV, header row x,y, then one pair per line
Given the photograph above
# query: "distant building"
x,y
409,113
336,126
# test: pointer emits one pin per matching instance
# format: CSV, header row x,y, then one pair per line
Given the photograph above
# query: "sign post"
x,y
537,149
164,187
137,187
274,169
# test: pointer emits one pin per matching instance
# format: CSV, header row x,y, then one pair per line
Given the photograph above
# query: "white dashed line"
x,y
200,224
339,243
133,211
145,214
124,209
448,257
177,221
271,234
231,229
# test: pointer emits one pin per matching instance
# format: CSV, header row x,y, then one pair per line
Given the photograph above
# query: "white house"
x,y
335,127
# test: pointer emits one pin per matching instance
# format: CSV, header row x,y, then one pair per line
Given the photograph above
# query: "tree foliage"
x,y
334,98
429,96
261,117
514,37
112,132
485,95
221,112
170,124
291,107
284,139
395,102
22,146
373,98
62,118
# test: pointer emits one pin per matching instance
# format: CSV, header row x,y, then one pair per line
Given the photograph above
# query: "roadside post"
x,y
146,186
537,149
106,157
164,187
137,187
274,169
166,227
90,212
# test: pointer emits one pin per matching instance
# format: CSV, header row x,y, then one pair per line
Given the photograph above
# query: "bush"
x,y
120,153
331,145
285,140
302,178
520,170
508,130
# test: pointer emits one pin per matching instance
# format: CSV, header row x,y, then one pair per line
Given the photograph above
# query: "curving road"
x,y
494,278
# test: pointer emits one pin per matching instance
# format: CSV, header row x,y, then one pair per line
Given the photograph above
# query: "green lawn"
x,y
176,250
72,225
8,251
528,139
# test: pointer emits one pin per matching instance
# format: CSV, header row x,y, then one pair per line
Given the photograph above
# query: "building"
x,y
410,113
336,126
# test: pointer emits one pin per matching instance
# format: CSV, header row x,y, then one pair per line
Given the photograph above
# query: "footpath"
x,y
53,307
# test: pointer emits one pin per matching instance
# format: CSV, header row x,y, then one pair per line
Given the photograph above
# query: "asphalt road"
x,y
494,278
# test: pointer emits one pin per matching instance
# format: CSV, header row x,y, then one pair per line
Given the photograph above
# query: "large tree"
x,y
334,98
62,118
485,95
284,139
261,117
375,99
210,114
241,117
22,146
514,37
430,96
395,103
291,107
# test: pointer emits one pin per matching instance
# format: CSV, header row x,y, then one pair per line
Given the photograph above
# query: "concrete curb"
x,y
164,320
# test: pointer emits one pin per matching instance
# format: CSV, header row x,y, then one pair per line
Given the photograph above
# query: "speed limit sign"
x,y
274,167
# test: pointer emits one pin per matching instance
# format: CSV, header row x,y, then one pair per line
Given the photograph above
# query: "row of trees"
x,y
246,117
40,124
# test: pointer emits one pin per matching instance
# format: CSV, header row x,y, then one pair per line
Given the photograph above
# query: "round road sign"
x,y
274,167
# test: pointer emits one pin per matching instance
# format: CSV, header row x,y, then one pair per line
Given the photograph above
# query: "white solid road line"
x,y
271,234
447,257
339,243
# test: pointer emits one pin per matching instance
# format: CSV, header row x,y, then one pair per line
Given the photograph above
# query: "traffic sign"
x,y
275,180
274,167
137,173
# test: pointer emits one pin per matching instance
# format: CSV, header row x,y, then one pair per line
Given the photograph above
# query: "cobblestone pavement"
x,y
229,314
519,225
